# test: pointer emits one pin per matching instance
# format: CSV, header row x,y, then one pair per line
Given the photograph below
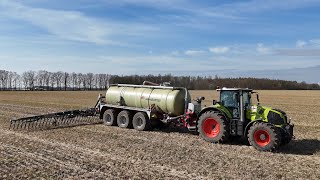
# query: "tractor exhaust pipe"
x,y
240,123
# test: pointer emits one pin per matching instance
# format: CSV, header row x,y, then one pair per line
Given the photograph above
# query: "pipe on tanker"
x,y
150,83
152,87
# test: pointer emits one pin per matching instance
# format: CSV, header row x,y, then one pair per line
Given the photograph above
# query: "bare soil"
x,y
98,151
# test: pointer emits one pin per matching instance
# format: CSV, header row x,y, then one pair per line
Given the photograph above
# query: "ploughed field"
x,y
98,151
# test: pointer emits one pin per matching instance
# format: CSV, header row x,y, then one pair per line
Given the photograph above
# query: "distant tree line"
x,y
45,80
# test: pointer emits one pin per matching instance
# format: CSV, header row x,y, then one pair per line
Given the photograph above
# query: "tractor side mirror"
x,y
214,102
200,99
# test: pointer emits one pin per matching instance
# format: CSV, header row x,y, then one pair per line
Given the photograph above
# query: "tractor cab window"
x,y
230,100
246,99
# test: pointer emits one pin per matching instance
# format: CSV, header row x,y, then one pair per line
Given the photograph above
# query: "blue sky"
x,y
156,36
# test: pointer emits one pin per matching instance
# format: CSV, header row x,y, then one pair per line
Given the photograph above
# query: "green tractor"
x,y
234,115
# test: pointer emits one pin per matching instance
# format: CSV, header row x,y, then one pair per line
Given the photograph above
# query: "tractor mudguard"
x,y
245,132
212,108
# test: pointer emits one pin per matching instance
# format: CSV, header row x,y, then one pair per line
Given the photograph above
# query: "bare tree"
x,y
66,78
48,79
4,78
107,81
83,80
10,80
16,80
96,81
52,80
42,77
25,80
58,78
32,78
1,77
103,81
80,79
90,80
74,79
29,79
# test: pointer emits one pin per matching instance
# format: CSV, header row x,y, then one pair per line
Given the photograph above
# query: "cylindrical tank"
x,y
166,100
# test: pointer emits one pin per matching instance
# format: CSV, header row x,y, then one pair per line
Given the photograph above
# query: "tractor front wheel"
x,y
264,137
213,127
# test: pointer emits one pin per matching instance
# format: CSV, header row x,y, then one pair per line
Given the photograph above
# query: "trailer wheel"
x,y
109,117
141,121
124,119
213,127
264,137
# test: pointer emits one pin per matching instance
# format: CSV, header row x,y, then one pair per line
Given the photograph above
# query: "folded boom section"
x,y
56,120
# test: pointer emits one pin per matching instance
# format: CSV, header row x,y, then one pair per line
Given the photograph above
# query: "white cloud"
x,y
175,53
72,25
315,41
301,43
194,52
262,49
219,49
312,43
299,52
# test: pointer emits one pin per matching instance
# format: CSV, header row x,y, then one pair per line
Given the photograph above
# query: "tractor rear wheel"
x,y
124,119
141,121
213,127
264,137
109,117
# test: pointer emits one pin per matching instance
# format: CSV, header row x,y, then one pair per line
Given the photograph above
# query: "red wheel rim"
x,y
211,127
262,137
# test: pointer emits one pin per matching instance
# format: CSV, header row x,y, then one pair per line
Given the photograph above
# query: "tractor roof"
x,y
234,89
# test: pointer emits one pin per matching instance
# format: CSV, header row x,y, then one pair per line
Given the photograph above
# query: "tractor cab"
x,y
236,101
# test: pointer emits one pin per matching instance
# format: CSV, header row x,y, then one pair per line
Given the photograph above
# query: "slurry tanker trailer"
x,y
144,107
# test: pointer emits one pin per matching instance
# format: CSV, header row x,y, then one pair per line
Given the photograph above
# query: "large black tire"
x,y
109,117
285,138
141,121
264,137
213,127
124,119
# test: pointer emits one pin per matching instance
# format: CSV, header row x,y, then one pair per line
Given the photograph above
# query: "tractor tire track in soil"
x,y
75,158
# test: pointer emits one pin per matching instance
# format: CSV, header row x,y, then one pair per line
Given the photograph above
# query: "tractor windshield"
x,y
230,100
246,98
